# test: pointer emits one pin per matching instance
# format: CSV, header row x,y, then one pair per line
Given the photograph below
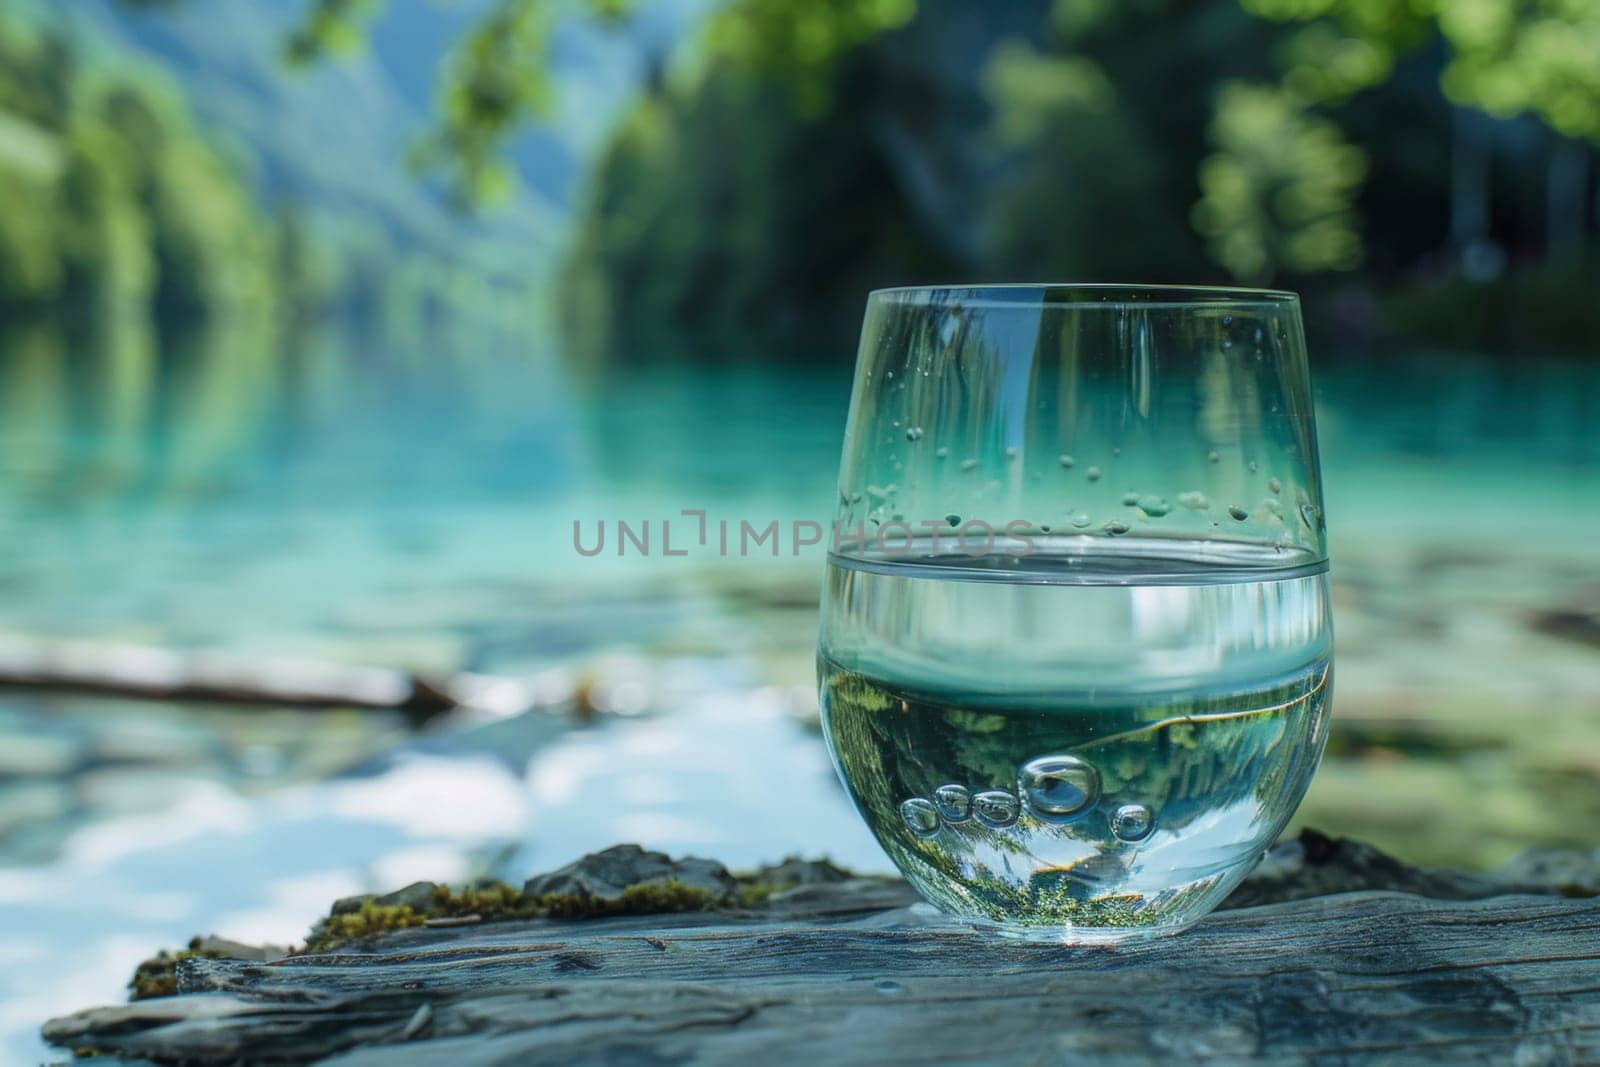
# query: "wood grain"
x,y
851,972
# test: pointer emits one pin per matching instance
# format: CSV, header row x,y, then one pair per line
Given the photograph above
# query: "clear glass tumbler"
x,y
1075,651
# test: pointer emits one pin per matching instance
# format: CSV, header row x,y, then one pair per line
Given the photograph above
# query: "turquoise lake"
x,y
415,509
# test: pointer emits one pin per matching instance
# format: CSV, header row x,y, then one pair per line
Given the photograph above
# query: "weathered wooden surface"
x,y
1411,965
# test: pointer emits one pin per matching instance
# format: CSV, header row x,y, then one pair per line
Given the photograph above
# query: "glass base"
x,y
1084,936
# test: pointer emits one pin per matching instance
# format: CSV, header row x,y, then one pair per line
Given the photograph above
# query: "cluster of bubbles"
x,y
1054,788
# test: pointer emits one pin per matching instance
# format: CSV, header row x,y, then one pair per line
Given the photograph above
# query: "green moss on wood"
x,y
488,901
755,894
371,918
158,975
497,901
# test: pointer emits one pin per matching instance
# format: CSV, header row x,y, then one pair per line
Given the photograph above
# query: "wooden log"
x,y
839,969
150,673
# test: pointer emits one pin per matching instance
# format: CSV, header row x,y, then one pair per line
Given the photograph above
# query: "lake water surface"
x,y
415,509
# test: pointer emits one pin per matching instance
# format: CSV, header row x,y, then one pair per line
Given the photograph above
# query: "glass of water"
x,y
1075,652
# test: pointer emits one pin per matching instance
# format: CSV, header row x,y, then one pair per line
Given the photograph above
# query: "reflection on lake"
x,y
414,508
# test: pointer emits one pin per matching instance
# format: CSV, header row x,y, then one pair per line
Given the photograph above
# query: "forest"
x,y
1424,171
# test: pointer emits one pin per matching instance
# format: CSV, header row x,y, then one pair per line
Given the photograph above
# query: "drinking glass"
x,y
1075,650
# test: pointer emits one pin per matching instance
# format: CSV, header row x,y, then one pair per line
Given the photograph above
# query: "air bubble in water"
x,y
920,816
1253,466
1066,461
1237,512
1116,526
1308,512
913,433
1080,519
1275,485
1130,499
1011,451
1214,456
995,807
969,464
954,802
1058,785
1153,506
941,452
1194,500
1093,474
1132,822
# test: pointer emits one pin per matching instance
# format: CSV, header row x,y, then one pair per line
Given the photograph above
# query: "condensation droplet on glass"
x,y
1129,499
941,453
1116,526
1080,519
1194,500
913,433
969,464
1153,506
1237,512
995,807
920,816
1066,461
1093,474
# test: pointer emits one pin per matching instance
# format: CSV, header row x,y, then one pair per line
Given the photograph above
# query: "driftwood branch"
x,y
838,969
149,673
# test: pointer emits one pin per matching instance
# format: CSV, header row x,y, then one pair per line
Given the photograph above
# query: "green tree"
x,y
115,202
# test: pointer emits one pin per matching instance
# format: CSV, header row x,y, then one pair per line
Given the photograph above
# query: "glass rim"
x,y
1088,295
